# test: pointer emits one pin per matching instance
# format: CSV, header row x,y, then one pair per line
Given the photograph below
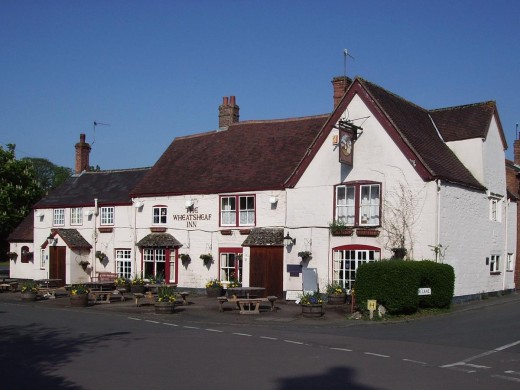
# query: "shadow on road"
x,y
30,354
335,378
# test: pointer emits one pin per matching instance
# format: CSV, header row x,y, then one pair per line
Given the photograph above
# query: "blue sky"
x,y
155,70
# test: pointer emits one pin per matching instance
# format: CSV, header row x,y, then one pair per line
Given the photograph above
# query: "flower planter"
x,y
28,296
137,289
342,232
367,232
164,307
336,299
79,300
312,310
214,292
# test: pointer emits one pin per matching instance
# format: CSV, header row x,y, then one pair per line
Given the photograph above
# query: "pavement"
x,y
203,309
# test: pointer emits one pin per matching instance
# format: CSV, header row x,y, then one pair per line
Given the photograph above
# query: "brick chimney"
x,y
340,85
82,155
228,112
516,150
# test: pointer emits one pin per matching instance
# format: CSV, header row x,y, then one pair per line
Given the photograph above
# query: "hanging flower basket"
x,y
207,258
185,258
12,255
305,255
84,264
100,256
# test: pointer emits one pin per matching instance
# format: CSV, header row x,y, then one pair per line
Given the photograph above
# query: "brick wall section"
x,y
340,85
82,155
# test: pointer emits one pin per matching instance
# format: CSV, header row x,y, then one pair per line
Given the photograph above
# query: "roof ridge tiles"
x,y
462,106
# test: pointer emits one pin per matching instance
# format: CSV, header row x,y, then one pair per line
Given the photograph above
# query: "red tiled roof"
x,y
415,126
464,122
247,156
24,231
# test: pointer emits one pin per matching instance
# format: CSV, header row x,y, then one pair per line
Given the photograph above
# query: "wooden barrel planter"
x,y
79,300
164,307
337,299
312,310
28,296
214,292
137,289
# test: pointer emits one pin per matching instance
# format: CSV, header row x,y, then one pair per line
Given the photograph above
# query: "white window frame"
x,y
226,270
160,215
495,207
76,216
155,256
43,258
510,262
124,263
494,264
173,266
346,261
236,210
107,215
352,207
58,217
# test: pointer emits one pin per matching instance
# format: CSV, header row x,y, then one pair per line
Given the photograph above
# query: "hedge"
x,y
395,285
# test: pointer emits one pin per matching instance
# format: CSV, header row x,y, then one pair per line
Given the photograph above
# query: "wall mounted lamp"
x,y
273,199
189,204
288,241
138,204
52,240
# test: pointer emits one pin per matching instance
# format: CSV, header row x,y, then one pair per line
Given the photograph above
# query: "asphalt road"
x,y
53,347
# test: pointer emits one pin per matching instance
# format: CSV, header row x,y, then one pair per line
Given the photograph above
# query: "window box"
x,y
245,232
367,232
106,229
342,232
226,232
158,229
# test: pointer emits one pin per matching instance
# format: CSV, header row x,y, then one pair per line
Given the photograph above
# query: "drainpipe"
x,y
506,230
438,217
95,237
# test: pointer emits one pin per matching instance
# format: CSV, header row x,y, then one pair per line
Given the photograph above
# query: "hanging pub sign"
x,y
348,133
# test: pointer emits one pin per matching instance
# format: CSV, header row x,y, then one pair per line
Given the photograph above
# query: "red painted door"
x,y
57,264
266,269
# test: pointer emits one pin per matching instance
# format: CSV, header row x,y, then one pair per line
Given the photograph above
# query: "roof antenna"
x,y
97,124
517,135
345,55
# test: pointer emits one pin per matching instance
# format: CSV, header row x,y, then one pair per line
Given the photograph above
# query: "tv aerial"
x,y
94,127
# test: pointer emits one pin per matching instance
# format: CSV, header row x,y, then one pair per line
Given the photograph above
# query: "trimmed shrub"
x,y
395,284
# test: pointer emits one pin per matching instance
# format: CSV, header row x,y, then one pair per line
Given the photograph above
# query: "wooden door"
x,y
266,269
57,264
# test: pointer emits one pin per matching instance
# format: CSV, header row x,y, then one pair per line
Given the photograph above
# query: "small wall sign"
x,y
371,306
425,291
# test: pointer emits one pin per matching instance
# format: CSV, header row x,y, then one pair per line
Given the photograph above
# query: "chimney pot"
x,y
82,155
225,101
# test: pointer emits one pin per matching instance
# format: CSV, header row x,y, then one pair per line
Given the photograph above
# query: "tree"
x,y
48,175
19,190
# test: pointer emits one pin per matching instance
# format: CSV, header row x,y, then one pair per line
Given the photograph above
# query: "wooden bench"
x,y
148,296
103,296
247,305
5,287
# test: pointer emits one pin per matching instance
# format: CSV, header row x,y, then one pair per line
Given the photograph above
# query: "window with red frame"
x,y
359,204
237,210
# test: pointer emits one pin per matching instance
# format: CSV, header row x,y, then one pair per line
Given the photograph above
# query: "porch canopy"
x,y
159,240
264,237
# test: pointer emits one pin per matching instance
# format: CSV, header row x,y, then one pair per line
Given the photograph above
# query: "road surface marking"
x,y
268,338
376,354
214,330
507,378
153,322
243,334
341,349
190,327
169,324
415,361
498,349
293,342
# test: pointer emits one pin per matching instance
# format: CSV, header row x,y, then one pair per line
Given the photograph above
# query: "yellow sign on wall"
x,y
371,304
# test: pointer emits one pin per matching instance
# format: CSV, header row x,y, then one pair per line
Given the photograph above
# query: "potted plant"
x,y
165,303
100,256
336,294
214,288
12,255
340,228
312,304
122,284
207,258
79,295
84,264
137,285
29,290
